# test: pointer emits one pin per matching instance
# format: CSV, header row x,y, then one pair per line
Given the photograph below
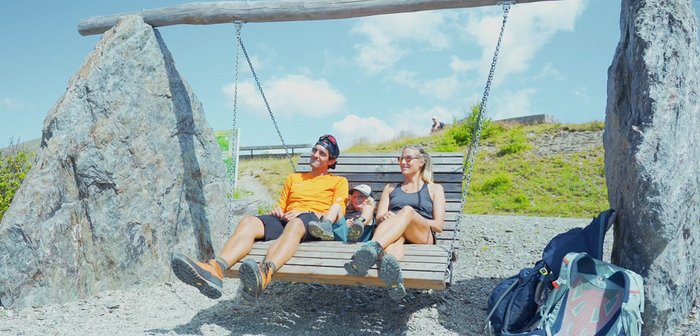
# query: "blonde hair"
x,y
426,172
369,201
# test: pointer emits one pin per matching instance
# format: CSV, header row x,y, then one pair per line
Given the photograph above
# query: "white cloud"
x,y
414,122
353,128
549,72
516,105
292,95
418,120
458,65
10,104
387,32
443,88
528,29
582,94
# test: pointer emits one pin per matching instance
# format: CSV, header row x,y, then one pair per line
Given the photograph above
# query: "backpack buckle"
x,y
544,271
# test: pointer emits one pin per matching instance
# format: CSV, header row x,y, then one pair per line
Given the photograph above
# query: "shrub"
x,y
461,132
496,184
516,143
14,165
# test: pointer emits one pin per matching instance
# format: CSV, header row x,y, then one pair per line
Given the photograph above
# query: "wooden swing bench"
x,y
424,266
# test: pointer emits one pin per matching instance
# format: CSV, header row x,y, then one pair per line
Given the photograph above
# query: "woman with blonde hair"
x,y
408,212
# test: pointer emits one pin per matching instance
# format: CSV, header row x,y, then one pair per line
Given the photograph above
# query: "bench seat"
x,y
423,266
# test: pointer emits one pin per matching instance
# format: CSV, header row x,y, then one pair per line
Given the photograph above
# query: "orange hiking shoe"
x,y
255,278
208,276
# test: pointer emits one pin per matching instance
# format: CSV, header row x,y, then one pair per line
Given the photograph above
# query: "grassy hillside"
x,y
538,170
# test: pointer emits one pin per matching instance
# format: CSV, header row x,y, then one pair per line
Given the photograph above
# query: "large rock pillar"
x,y
652,155
128,172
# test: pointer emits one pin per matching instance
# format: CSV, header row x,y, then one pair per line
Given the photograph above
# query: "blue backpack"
x,y
514,303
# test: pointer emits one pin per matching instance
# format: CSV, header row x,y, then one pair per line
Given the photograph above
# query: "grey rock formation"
x,y
652,155
128,173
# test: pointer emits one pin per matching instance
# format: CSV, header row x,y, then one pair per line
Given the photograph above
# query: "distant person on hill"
x,y
356,225
437,125
305,197
411,211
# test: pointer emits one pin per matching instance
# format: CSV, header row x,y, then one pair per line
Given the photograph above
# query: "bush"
x,y
496,184
461,132
516,143
14,165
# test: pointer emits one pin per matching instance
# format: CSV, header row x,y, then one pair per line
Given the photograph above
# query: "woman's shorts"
x,y
274,225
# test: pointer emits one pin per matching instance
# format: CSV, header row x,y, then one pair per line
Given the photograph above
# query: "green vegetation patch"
x,y
14,165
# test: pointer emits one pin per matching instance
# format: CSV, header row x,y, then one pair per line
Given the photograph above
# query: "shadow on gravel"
x,y
307,309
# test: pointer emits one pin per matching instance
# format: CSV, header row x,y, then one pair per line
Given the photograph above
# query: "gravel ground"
x,y
491,248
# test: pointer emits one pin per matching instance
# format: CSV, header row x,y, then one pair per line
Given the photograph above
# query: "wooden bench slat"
x,y
338,276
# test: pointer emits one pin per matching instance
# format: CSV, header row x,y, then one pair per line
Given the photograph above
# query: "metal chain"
x,y
269,110
230,171
476,134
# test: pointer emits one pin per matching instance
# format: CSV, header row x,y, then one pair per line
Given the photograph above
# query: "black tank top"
x,y
419,201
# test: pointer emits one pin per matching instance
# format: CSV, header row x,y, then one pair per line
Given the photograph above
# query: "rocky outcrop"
x,y
128,172
652,155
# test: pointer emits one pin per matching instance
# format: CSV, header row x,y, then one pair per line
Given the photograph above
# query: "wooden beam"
x,y
203,13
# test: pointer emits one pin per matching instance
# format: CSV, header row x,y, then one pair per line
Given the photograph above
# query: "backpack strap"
x,y
633,304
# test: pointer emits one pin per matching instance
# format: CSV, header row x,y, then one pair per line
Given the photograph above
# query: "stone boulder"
x,y
127,174
652,155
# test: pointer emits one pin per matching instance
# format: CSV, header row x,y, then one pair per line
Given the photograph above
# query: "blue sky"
x,y
372,78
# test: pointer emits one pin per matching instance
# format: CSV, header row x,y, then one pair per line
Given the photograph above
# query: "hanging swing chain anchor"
x,y
506,4
476,134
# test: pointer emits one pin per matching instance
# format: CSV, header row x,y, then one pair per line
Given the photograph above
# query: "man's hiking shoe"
x,y
355,230
255,278
390,273
363,258
207,277
322,229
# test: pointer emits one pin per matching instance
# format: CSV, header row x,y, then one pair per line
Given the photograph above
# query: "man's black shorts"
x,y
274,226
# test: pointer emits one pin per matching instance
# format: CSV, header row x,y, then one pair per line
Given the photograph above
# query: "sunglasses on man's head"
x,y
408,158
328,137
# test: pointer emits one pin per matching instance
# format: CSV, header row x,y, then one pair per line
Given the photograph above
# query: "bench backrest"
x,y
378,169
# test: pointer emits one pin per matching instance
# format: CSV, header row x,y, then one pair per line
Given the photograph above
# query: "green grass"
x,y
509,177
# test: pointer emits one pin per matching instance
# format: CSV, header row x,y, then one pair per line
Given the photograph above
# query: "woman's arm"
x,y
383,207
437,193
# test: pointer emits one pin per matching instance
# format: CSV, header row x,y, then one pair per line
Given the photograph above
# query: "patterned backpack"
x,y
592,297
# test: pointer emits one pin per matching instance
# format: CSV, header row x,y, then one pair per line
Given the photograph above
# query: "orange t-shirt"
x,y
304,192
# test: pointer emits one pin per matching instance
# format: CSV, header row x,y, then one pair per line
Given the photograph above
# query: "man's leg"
x,y
207,276
249,230
256,277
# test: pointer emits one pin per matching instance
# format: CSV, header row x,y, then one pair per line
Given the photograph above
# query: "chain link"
x,y
269,110
231,179
476,134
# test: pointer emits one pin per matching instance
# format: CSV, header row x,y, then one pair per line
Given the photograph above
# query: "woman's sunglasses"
x,y
408,158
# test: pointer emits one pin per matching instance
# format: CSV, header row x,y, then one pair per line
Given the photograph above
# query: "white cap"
x,y
363,188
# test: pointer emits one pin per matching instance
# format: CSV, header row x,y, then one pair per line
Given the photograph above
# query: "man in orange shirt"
x,y
305,197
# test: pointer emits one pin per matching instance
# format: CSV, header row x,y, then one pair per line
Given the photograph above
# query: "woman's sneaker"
x,y
208,276
390,273
322,229
363,259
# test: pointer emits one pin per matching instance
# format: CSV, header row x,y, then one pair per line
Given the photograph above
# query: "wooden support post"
x,y
204,13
